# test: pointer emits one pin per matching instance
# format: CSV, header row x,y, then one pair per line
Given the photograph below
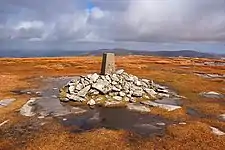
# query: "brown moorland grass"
x,y
177,73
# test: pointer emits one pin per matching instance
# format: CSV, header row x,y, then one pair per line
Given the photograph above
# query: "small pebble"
x,y
43,123
182,123
41,117
161,123
54,96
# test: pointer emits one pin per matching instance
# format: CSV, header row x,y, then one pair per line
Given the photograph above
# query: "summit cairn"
x,y
111,86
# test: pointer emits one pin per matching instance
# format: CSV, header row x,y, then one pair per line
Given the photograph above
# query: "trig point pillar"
x,y
108,63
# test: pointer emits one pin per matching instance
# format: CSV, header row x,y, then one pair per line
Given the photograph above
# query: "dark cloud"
x,y
113,20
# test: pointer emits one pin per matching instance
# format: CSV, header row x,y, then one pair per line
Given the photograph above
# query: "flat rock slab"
x,y
222,117
217,131
138,107
212,94
6,102
28,108
46,106
163,106
170,101
112,103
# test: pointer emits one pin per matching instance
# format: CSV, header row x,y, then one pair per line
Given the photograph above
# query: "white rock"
x,y
134,87
145,80
138,107
150,92
163,106
54,96
130,92
41,117
132,100
102,87
129,78
114,78
163,95
118,86
212,94
119,72
135,78
112,103
161,124
122,94
71,89
112,94
28,108
222,116
138,93
158,86
6,102
114,83
75,98
144,84
138,83
84,91
108,78
89,76
162,91
103,78
126,86
118,98
217,131
120,81
146,96
182,123
79,86
91,102
94,91
94,77
129,95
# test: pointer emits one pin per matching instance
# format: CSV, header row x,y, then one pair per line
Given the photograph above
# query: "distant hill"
x,y
183,53
117,51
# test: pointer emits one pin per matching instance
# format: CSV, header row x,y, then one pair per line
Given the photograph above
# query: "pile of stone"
x,y
118,86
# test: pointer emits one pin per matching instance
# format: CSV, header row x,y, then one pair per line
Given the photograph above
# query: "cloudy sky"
x,y
93,24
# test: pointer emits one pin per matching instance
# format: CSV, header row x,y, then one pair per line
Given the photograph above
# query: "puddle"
x,y
52,85
117,118
82,119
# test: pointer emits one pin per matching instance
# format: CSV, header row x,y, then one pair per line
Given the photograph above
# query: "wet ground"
x,y
117,118
83,118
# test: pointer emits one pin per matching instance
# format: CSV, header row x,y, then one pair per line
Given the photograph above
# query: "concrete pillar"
x,y
108,63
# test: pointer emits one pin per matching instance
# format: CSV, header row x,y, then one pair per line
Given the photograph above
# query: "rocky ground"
x,y
197,123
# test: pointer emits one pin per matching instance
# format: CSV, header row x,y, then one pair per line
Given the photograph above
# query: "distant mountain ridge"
x,y
117,51
183,53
